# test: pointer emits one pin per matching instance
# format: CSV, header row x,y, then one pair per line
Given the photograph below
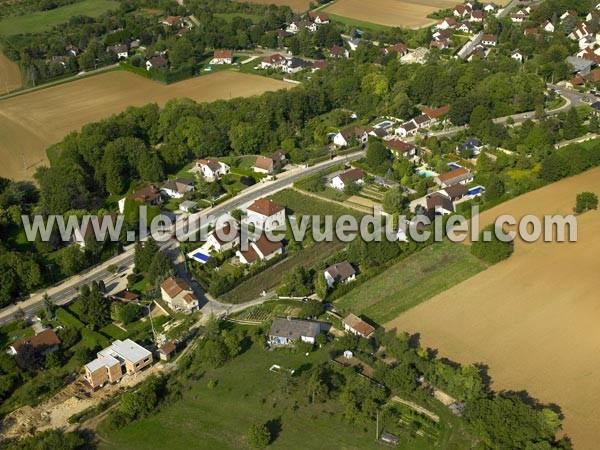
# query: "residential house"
x,y
472,144
318,65
380,133
356,176
462,11
442,35
580,66
441,44
593,77
294,65
265,214
125,296
72,50
580,32
569,13
460,175
287,331
310,26
422,121
121,51
101,225
478,15
532,32
188,206
121,358
399,48
339,273
439,204
222,57
148,195
319,18
171,21
262,249
350,136
282,34
490,40
224,239
444,24
517,17
167,350
179,295
178,187
517,55
293,27
338,52
273,62
547,26
437,115
490,8
156,62
358,327
407,129
465,27
42,343
401,149
212,169
265,164
455,192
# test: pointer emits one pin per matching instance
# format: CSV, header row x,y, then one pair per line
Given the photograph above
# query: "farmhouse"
x,y
349,135
339,273
355,176
178,295
156,62
212,169
265,214
222,57
224,239
42,343
121,358
286,331
178,187
358,327
261,250
460,175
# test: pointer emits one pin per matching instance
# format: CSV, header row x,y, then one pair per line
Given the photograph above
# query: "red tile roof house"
x,y
42,343
339,273
273,62
338,52
401,149
399,48
435,114
355,176
318,17
460,175
224,239
156,62
261,250
222,57
265,214
444,24
178,295
490,40
269,164
211,169
358,327
173,20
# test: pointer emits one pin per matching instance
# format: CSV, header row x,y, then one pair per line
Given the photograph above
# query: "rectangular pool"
x,y
454,165
477,190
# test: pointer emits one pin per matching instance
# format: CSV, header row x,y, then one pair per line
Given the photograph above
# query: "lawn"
x,y
45,20
360,24
12,332
301,204
412,281
247,393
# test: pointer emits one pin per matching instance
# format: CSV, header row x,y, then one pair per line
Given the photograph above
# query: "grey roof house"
x,y
286,331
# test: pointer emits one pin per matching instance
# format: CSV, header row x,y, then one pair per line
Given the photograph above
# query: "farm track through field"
x,y
533,319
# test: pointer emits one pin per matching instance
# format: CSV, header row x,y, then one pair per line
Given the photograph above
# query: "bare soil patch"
x,y
533,319
10,75
32,122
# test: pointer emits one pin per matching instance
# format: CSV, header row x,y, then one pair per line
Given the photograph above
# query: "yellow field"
x,y
393,13
296,5
30,123
10,76
534,318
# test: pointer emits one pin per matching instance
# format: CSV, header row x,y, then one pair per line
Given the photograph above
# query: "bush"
x,y
585,202
494,250
258,436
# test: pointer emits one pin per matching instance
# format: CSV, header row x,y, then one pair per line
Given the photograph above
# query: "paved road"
x,y
67,289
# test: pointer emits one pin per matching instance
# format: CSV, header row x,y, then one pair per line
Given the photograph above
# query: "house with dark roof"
x,y
342,272
401,149
350,136
319,18
358,327
156,62
455,192
407,129
295,65
439,204
265,214
166,351
287,331
340,181
179,295
338,52
178,187
224,238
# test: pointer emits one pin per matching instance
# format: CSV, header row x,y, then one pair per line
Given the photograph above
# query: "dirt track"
x,y
533,319
31,122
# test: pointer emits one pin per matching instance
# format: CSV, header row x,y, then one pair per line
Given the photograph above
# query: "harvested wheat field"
x,y
533,319
393,13
296,5
10,76
31,122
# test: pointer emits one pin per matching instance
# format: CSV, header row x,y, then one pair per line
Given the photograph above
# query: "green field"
x,y
412,281
358,23
44,20
248,393
300,204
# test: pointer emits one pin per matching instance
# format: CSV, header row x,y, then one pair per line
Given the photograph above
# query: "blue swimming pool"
x,y
427,173
454,166
200,257
384,124
477,190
